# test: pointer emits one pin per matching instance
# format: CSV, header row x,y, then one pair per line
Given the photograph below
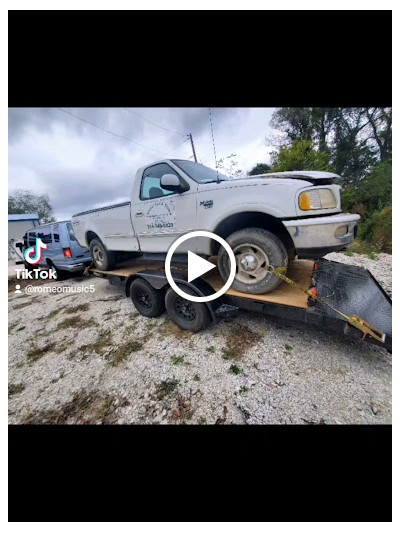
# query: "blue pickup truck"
x,y
63,253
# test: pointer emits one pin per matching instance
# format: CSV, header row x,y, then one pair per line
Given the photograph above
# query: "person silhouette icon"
x,y
18,289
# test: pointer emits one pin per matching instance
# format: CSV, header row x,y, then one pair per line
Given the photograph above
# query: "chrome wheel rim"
x,y
98,255
251,261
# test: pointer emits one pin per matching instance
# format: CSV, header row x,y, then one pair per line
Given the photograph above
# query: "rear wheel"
x,y
61,274
190,316
147,300
103,260
254,250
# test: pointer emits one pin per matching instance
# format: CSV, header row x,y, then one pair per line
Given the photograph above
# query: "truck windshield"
x,y
199,173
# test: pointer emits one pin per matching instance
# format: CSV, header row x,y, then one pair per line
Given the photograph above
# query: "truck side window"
x,y
151,187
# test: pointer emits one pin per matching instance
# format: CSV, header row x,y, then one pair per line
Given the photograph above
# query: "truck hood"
x,y
316,177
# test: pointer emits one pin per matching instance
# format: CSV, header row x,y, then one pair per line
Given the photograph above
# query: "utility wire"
x,y
154,124
177,146
212,136
110,132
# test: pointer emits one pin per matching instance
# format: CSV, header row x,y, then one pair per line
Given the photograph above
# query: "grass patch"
x,y
36,353
373,256
75,322
77,308
288,348
165,388
20,329
170,328
103,340
20,306
62,347
239,339
110,312
211,349
196,378
121,353
13,326
202,420
84,408
15,388
236,369
53,313
177,360
349,253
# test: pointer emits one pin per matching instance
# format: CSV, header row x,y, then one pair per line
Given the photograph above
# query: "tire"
x,y
190,316
103,260
147,300
263,247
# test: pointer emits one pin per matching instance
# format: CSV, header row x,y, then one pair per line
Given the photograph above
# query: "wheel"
x,y
191,316
147,300
254,249
103,260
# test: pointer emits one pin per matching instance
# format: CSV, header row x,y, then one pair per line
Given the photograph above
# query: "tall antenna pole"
x,y
192,143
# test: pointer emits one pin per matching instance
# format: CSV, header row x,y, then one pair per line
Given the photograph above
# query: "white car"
x,y
266,219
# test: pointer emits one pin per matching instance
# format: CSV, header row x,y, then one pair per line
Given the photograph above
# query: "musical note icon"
x,y
36,250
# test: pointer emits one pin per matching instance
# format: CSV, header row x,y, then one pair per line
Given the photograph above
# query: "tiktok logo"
x,y
37,255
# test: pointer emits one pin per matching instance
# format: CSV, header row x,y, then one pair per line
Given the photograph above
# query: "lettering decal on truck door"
x,y
161,215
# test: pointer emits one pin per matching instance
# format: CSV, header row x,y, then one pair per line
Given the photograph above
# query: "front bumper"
x,y
315,237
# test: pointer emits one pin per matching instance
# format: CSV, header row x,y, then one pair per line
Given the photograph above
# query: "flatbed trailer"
x,y
349,289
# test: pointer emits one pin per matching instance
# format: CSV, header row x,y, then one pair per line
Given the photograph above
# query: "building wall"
x,y
18,228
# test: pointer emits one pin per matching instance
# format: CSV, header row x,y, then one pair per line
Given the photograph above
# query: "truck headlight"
x,y
317,199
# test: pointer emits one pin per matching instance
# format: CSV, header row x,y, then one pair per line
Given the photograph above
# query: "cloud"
x,y
81,166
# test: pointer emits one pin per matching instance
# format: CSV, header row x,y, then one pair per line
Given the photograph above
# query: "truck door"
x,y
159,216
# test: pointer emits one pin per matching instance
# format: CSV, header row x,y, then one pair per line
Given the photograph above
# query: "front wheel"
x,y
254,250
103,260
190,316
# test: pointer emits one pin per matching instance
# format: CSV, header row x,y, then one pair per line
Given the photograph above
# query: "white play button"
x,y
197,266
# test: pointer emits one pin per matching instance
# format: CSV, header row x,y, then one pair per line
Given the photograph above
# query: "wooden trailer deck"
x,y
299,271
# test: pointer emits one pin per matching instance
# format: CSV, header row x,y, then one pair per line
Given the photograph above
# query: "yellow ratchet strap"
x,y
354,320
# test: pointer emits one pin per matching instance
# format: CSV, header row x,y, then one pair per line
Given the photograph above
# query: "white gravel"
x,y
288,373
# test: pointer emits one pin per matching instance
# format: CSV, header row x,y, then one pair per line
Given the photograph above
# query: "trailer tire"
x,y
264,247
103,260
147,300
190,316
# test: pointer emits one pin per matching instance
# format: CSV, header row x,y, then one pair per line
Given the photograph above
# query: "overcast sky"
x,y
79,166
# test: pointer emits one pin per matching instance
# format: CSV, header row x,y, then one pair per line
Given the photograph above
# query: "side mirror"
x,y
170,182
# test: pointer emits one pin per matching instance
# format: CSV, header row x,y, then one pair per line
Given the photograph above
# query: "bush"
x,y
377,230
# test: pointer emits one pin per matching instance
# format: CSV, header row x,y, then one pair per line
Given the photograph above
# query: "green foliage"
x,y
376,230
371,194
355,143
260,168
300,155
22,201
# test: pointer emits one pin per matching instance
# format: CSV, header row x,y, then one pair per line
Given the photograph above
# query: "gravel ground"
x,y
91,358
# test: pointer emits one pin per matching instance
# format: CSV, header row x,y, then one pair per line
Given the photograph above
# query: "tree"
x,y
301,155
229,166
356,138
260,168
22,201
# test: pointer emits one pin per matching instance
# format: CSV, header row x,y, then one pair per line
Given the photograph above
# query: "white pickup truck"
x,y
266,219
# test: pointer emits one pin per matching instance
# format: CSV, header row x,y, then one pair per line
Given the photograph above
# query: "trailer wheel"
x,y
147,300
254,248
190,316
103,260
